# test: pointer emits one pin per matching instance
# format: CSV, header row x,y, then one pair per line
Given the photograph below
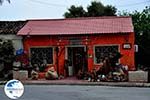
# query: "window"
x,y
104,51
41,55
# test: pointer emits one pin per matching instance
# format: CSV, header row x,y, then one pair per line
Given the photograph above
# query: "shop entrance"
x,y
77,58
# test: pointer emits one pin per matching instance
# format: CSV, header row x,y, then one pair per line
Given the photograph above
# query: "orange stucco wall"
x,y
128,54
90,41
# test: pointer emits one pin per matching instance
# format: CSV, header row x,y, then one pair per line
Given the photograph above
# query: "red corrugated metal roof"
x,y
93,25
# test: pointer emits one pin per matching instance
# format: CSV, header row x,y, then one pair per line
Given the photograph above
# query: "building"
x,y
8,31
82,42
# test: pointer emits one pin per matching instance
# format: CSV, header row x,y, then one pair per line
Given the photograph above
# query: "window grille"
x,y
41,55
104,51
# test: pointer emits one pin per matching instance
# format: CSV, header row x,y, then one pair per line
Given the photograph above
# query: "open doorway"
x,y
77,57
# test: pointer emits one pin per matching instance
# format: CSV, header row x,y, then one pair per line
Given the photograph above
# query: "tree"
x,y
6,58
110,10
93,10
75,12
141,23
1,1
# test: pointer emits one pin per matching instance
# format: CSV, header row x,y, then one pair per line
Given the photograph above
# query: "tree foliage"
x,y
1,1
75,12
93,10
6,58
6,51
110,10
141,22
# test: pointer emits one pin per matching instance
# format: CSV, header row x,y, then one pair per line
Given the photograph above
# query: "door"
x,y
77,58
